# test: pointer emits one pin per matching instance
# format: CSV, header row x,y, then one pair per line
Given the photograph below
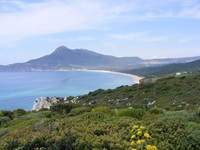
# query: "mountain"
x,y
64,58
179,68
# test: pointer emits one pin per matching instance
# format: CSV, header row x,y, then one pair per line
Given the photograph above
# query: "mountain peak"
x,y
61,50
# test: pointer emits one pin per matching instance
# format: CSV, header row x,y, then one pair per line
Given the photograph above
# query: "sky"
x,y
145,28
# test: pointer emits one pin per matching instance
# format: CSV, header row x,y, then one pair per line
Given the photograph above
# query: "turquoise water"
x,y
20,89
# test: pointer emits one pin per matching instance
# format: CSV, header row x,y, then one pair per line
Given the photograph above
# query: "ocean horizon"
x,y
20,89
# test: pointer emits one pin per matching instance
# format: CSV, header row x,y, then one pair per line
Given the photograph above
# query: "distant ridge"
x,y
170,69
64,58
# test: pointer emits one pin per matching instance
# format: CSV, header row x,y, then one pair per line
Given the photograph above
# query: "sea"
x,y
20,89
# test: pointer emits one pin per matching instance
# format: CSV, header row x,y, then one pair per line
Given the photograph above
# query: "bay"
x,y
20,89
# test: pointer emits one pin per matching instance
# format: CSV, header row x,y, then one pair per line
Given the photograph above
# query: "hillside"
x,y
171,69
64,58
103,119
170,92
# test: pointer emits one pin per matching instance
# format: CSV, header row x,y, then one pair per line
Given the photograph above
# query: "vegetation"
x,y
102,130
143,116
171,93
171,69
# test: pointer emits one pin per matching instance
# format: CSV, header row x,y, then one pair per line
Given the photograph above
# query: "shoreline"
x,y
135,78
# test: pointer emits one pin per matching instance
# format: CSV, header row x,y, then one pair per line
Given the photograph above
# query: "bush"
x,y
63,108
94,116
135,113
102,109
7,113
43,143
1,114
3,132
155,110
194,139
19,112
11,145
197,112
44,109
4,120
79,110
48,115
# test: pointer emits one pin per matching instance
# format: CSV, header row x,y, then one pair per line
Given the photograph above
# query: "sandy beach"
x,y
135,78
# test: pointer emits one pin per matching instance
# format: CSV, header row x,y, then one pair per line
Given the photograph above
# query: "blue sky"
x,y
147,29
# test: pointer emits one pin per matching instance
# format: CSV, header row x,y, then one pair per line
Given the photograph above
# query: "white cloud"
x,y
50,17
166,9
20,19
139,36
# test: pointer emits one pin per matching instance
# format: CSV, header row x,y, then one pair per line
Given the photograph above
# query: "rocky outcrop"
x,y
44,102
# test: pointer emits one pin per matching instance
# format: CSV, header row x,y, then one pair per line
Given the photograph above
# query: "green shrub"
x,y
193,140
48,115
12,145
94,115
1,114
167,108
4,120
3,131
43,143
102,109
197,111
19,112
79,110
135,113
64,108
193,130
7,113
155,110
44,109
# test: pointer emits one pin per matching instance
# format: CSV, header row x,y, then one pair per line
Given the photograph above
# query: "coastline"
x,y
135,78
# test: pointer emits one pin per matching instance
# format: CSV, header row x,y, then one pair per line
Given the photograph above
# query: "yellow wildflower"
x,y
135,127
133,149
139,132
132,143
148,147
151,147
143,141
154,147
147,135
139,142
142,127
133,136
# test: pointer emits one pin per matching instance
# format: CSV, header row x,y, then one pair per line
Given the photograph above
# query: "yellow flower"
x,y
139,132
147,135
135,127
133,149
133,136
132,143
139,142
154,147
148,147
143,141
151,147
142,127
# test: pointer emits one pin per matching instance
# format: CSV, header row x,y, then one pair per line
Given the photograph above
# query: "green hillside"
x,y
104,120
171,92
101,128
191,67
